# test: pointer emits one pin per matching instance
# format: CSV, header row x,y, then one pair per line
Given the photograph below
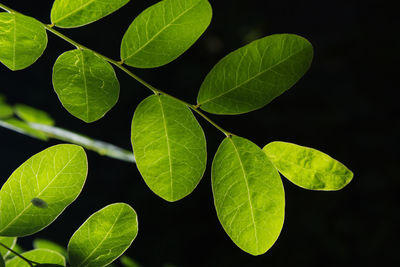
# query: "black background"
x,y
345,106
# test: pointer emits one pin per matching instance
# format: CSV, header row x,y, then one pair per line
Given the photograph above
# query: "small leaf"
x,y
76,13
252,76
169,146
248,195
307,167
9,242
30,114
23,40
85,84
164,31
47,244
103,237
6,111
55,175
128,262
43,256
24,128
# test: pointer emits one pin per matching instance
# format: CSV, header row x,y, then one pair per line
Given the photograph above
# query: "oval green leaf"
x,y
43,256
164,31
252,76
103,237
9,242
55,175
76,13
248,195
307,167
30,114
85,84
47,244
22,39
169,146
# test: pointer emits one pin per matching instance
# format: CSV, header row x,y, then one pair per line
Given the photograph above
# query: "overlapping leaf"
x,y
252,76
164,31
248,195
44,256
308,167
103,237
23,127
22,39
85,84
9,242
54,176
169,146
47,244
76,13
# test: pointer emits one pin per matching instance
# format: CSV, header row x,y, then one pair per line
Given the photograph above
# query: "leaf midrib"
x,y
160,31
253,77
85,84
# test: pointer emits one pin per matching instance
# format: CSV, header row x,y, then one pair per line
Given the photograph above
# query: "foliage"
x,y
168,142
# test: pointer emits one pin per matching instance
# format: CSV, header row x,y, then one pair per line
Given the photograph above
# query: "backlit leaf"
x,y
22,40
47,244
308,167
252,76
164,31
55,175
128,262
9,242
103,237
30,114
248,195
76,13
85,84
169,146
43,256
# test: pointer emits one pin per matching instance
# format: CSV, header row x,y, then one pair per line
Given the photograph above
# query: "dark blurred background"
x,y
345,106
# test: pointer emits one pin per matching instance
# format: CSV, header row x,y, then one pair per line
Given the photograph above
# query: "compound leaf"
x,y
307,167
103,237
85,84
164,31
9,242
22,39
44,256
54,176
76,13
47,244
252,76
169,146
248,195
30,114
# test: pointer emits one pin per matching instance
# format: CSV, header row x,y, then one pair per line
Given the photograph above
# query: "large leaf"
x,y
169,146
30,114
43,256
252,76
103,237
85,84
248,195
76,13
164,31
308,167
22,40
9,242
47,244
40,189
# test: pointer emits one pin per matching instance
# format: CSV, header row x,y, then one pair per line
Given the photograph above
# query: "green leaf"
x,y
164,31
248,195
24,128
9,242
3,99
128,262
43,256
55,175
169,146
103,237
22,39
76,13
85,84
47,244
30,114
252,76
307,167
6,111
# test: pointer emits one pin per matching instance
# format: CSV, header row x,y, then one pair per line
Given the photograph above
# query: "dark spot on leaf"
x,y
40,203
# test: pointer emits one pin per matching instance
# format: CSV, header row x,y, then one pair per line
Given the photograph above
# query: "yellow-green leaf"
x,y
30,114
43,256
